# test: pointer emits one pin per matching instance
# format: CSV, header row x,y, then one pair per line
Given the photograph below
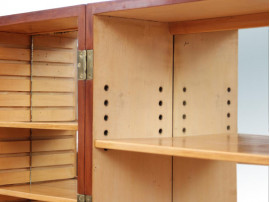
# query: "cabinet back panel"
x,y
205,102
132,62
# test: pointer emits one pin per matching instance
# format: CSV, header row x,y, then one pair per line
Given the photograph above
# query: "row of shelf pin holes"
x,y
228,103
184,116
106,104
160,103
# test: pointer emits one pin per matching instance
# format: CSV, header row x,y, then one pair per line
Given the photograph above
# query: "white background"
x,y
253,117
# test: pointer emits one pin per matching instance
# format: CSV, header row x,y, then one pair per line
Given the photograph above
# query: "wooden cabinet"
x,y
151,88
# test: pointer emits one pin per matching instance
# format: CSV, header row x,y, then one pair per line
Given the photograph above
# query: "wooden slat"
x,y
14,99
47,174
220,24
15,39
52,99
62,56
53,70
53,85
53,145
53,114
14,147
14,133
14,69
48,41
52,159
14,177
59,191
14,114
14,54
41,125
13,162
14,84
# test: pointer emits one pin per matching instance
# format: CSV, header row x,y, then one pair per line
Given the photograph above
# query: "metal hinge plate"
x,y
80,198
89,64
88,198
81,64
84,198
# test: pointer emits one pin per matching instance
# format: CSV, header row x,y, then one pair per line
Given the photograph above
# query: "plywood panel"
x,y
62,56
14,114
18,40
14,176
53,145
205,67
203,180
14,133
126,89
53,114
54,70
15,69
53,85
46,174
13,162
14,84
53,159
47,41
52,99
11,199
14,99
14,54
12,147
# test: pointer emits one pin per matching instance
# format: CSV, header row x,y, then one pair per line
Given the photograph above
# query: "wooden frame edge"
x,y
220,24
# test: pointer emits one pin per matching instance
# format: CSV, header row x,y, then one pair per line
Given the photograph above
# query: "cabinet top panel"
x,y
171,11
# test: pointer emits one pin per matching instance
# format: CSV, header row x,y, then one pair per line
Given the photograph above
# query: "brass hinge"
x,y
85,64
81,64
84,198
80,198
88,198
89,64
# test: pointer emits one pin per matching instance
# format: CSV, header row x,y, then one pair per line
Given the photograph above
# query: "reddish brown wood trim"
x,y
81,135
58,13
220,24
89,26
133,4
88,137
41,15
81,28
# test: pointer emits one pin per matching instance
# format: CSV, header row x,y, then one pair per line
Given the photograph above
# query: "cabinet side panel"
x,y
205,102
132,62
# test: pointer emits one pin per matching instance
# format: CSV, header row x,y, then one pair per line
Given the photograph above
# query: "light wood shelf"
x,y
57,191
249,149
41,125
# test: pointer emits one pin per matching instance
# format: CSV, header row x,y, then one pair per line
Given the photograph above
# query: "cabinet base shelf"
x,y
57,191
249,149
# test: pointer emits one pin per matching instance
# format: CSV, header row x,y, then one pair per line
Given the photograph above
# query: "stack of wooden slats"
x,y
42,92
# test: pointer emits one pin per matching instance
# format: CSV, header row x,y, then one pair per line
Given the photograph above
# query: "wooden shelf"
x,y
250,149
57,191
41,125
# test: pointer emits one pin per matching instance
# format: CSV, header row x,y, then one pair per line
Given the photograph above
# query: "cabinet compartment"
x,y
38,111
171,95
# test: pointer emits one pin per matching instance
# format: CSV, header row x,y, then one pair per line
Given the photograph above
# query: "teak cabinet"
x,y
149,86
